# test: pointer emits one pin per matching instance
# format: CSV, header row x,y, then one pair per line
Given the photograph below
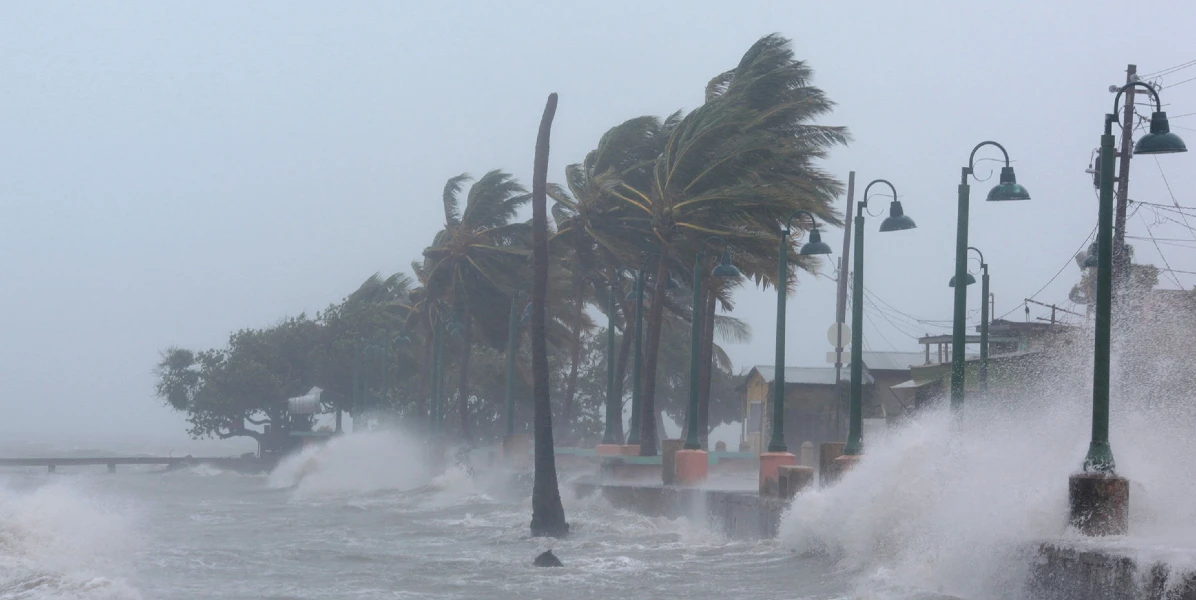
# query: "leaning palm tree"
x,y
548,514
734,167
591,239
474,262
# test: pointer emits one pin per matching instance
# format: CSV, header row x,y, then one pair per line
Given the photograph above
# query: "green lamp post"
x,y
637,359
1007,189
984,317
813,247
512,346
612,402
725,270
896,221
1160,140
1098,498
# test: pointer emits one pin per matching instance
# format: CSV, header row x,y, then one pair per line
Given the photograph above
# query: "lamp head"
x,y
1008,189
968,280
897,221
725,269
1160,140
815,245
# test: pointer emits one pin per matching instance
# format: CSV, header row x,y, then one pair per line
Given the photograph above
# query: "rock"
x,y
548,559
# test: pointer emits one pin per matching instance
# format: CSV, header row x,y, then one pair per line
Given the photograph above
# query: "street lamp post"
x,y
514,445
984,318
1098,497
610,442
637,359
1007,189
512,341
691,460
778,452
896,221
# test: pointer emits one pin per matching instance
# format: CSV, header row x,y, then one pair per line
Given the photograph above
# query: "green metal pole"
x,y
959,326
633,437
612,403
855,423
1100,454
438,375
512,329
983,329
695,336
777,442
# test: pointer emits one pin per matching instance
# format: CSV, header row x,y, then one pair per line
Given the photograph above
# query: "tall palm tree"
x,y
548,514
734,167
474,261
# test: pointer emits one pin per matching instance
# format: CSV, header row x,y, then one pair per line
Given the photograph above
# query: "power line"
x,y
1056,275
1169,70
1162,256
1180,83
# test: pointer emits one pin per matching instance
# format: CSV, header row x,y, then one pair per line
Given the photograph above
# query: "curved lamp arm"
x,y
789,222
864,203
972,157
706,243
977,250
1158,105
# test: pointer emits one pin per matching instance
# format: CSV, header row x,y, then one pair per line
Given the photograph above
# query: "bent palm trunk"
x,y
548,514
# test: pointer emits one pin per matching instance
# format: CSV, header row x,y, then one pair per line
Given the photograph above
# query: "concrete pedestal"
x,y
608,449
807,455
827,453
769,462
839,467
792,479
517,450
630,450
691,467
1099,503
668,453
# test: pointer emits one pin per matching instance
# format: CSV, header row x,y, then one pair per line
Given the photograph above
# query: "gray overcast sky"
x,y
174,171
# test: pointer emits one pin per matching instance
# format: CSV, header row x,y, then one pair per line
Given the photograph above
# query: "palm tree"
x,y
473,264
589,224
548,514
734,167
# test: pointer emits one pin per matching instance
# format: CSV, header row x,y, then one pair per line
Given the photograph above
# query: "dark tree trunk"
x,y
706,370
463,380
649,440
621,366
425,380
574,361
548,514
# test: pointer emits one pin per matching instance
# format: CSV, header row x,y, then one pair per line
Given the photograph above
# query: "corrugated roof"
x,y
808,375
893,361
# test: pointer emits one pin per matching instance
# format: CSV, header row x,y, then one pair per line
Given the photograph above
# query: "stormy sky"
x,y
171,172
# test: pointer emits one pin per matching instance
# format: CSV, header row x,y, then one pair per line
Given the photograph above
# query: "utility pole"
x,y
1120,263
841,300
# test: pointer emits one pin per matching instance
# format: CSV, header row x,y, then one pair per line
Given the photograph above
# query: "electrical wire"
x,y
1162,256
1057,273
1169,70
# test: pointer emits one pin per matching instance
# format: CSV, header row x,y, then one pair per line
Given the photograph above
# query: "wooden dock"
x,y
241,464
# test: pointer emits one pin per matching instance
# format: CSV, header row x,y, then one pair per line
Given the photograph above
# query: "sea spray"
x,y
59,541
355,463
959,503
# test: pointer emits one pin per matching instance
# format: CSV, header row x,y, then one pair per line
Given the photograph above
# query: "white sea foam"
x,y
56,541
957,504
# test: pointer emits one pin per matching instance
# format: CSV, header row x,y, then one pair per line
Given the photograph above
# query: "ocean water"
x,y
355,520
947,506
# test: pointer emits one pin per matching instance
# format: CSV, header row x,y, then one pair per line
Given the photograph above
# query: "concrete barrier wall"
x,y
1064,573
738,515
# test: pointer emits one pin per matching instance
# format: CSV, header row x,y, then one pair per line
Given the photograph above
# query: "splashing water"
x,y
958,504
356,463
56,542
